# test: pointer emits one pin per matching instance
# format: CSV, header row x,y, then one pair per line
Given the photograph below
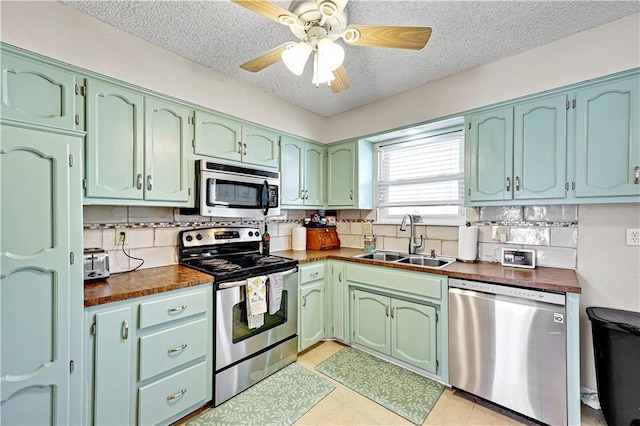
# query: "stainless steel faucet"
x,y
412,238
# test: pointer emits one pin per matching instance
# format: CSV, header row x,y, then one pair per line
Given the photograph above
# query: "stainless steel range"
x,y
243,355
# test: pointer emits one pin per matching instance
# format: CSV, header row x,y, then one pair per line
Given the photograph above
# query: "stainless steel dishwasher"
x,y
508,345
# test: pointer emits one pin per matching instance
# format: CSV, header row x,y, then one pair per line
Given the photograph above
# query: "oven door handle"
x,y
244,282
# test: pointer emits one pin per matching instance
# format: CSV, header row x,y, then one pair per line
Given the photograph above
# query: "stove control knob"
x,y
251,233
199,237
188,238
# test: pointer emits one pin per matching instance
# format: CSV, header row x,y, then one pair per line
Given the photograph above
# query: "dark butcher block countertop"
x,y
540,278
144,282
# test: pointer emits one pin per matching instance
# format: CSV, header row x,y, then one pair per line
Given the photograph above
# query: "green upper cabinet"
x,y
168,135
40,284
607,139
136,147
36,92
302,177
518,153
350,175
220,137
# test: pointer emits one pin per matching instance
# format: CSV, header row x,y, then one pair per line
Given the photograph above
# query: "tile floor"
x,y
344,406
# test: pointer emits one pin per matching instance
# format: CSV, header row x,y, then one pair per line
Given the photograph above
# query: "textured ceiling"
x,y
466,34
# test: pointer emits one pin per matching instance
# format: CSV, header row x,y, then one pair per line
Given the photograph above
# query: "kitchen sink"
x,y
409,259
381,256
430,262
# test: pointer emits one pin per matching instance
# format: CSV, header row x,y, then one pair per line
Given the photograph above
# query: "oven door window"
x,y
233,194
241,330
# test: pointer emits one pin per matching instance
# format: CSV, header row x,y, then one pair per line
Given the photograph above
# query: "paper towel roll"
x,y
467,243
299,238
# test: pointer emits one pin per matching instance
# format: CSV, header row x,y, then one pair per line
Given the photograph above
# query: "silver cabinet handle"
x,y
245,149
304,300
139,181
176,395
149,183
392,309
636,181
239,147
177,309
517,183
351,194
386,310
125,330
306,197
508,184
315,274
302,194
339,276
177,349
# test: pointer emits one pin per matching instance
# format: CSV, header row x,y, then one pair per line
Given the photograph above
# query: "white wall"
x,y
604,50
608,269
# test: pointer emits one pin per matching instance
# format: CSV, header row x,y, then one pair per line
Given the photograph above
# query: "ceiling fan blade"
x,y
267,9
414,38
266,59
341,82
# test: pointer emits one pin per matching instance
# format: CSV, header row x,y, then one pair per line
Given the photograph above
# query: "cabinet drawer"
x,y
418,284
171,395
171,308
173,347
311,273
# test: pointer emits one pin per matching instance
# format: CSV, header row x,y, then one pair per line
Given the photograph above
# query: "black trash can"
x,y
616,345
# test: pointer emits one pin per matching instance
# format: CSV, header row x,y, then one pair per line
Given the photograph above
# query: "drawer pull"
x,y
177,309
177,349
176,395
314,274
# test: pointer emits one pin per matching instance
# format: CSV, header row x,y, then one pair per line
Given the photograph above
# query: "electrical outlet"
x,y
367,228
500,233
122,232
633,237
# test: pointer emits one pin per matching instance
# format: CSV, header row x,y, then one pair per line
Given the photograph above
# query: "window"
x,y
421,172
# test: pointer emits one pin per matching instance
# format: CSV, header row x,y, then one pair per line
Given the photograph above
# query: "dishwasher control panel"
x,y
505,290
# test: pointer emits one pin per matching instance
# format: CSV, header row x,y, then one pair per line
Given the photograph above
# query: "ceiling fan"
x,y
318,24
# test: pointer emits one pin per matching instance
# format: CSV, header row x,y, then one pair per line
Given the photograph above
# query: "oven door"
x,y
234,339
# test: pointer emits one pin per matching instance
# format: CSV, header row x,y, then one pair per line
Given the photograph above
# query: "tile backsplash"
x,y
153,232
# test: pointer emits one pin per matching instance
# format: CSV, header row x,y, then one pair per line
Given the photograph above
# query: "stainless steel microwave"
x,y
234,191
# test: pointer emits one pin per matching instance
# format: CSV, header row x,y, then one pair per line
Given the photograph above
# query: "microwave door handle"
x,y
264,199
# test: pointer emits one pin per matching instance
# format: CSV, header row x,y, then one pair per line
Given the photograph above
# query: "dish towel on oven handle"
x,y
275,282
256,298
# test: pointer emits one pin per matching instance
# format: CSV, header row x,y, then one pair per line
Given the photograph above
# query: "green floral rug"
x,y
280,399
402,391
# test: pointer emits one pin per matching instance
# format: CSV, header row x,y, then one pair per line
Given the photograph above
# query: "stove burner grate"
x,y
215,262
227,267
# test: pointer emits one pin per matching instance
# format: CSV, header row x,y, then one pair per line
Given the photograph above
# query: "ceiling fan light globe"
x,y
321,73
295,57
330,54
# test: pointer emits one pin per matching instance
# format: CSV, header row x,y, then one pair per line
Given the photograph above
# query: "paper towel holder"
x,y
459,259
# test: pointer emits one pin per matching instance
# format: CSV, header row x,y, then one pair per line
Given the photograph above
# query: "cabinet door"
x,y
540,149
314,175
167,136
113,372
216,136
292,172
413,334
490,153
607,139
341,175
311,314
259,147
40,290
115,142
37,93
371,321
337,301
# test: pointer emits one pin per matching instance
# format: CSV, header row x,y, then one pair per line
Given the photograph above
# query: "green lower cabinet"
x,y
413,334
113,367
372,324
311,314
149,360
336,296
